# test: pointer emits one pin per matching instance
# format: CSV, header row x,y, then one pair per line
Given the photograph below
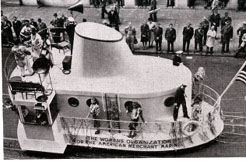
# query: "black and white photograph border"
x,y
96,79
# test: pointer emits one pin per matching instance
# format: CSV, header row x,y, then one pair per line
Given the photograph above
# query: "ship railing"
x,y
72,125
209,96
75,126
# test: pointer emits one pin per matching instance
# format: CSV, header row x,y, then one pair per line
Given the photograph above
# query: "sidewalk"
x,y
179,17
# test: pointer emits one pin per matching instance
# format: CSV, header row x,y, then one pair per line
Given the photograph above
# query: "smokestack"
x,y
99,51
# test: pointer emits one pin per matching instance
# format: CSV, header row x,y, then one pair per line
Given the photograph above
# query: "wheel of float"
x,y
190,128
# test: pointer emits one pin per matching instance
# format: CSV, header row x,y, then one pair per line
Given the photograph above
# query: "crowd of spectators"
x,y
151,31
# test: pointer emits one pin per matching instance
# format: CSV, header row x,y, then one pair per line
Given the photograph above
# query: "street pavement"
x,y
179,17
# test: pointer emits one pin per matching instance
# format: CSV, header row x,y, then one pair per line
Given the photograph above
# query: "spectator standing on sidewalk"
x,y
188,33
226,35
144,34
104,3
207,3
215,19
240,32
205,27
211,35
191,3
153,6
225,19
241,4
199,32
242,47
151,25
17,27
158,37
6,28
113,18
170,3
42,28
170,36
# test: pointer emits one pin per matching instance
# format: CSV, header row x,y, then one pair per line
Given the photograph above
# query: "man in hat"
x,y
240,32
188,33
179,99
225,19
199,33
226,35
170,36
177,58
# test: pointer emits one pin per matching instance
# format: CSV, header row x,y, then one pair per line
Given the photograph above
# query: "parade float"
x,y
101,66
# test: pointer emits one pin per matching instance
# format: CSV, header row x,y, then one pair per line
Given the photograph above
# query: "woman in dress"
x,y
144,34
151,25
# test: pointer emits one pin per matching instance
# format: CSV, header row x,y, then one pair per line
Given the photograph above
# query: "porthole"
x,y
169,102
74,102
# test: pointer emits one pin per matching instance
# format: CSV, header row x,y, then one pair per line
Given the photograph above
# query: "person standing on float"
x,y
179,99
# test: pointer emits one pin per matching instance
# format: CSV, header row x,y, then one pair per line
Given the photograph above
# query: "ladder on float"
x,y
113,112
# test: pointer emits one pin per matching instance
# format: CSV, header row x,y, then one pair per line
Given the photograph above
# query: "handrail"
x,y
205,87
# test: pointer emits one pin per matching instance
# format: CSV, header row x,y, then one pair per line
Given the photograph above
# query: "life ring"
x,y
190,128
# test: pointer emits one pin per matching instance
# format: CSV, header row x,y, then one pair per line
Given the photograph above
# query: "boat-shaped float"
x,y
103,68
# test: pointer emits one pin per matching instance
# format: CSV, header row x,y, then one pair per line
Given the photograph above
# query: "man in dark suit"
x,y
199,33
170,36
240,33
158,31
43,30
113,18
226,35
225,19
215,19
188,33
17,27
104,3
179,99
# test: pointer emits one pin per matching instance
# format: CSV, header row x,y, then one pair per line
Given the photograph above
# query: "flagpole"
x,y
231,82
